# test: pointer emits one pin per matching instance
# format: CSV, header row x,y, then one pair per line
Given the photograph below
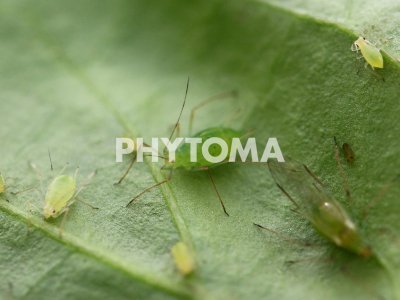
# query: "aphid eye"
x,y
364,38
53,211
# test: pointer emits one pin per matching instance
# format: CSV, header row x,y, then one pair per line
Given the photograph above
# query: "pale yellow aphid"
x,y
2,184
59,196
370,52
183,258
61,193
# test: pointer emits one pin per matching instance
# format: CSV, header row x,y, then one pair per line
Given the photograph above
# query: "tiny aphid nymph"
x,y
183,258
59,193
370,52
348,153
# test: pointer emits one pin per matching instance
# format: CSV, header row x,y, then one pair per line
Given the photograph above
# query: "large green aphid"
x,y
313,202
370,52
183,160
182,154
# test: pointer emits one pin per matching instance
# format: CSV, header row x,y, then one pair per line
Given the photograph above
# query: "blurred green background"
x,y
77,74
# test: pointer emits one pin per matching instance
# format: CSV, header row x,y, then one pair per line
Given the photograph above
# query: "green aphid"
x,y
60,196
183,258
370,52
314,203
61,193
182,155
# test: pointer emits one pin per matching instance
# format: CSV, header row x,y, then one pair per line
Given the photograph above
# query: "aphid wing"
x,y
302,187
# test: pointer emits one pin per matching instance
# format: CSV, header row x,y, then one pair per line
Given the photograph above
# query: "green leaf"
x,y
78,74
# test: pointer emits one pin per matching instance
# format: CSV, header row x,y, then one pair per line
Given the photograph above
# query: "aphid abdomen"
x,y
183,160
332,221
60,191
372,55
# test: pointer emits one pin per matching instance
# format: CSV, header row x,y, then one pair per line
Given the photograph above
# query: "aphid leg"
x,y
87,204
313,175
341,170
233,116
354,47
310,259
149,189
38,175
62,224
216,191
32,206
146,190
284,237
86,182
378,197
221,96
24,190
288,196
127,170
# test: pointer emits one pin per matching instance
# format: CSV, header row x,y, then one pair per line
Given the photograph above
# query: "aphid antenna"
x,y
147,190
284,237
51,162
181,111
221,96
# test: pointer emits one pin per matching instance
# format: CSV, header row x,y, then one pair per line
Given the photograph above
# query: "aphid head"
x,y
49,212
358,43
